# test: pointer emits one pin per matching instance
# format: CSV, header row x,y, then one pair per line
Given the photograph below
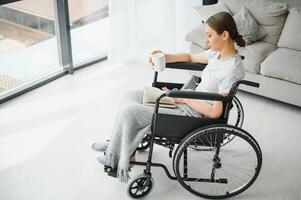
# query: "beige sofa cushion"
x,y
254,54
283,64
270,15
291,33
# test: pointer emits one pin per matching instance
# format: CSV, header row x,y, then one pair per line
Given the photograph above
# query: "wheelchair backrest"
x,y
228,103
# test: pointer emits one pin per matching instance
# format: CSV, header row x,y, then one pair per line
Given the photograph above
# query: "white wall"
x,y
186,19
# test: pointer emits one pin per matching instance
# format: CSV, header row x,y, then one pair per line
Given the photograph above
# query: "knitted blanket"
x,y
133,122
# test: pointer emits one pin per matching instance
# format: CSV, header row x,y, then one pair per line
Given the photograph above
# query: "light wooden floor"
x,y
45,139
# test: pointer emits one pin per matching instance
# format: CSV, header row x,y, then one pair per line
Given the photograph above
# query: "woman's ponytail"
x,y
240,41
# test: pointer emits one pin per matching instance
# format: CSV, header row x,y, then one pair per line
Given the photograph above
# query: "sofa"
x,y
273,61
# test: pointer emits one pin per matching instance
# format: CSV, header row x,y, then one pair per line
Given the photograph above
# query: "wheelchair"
x,y
213,159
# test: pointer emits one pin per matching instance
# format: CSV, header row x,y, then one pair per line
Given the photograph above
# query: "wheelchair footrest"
x,y
111,172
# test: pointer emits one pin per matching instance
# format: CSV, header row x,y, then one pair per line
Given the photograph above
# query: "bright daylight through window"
x,y
28,40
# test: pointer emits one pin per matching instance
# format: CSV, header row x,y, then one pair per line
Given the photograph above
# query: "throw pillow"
x,y
248,27
206,11
269,14
290,36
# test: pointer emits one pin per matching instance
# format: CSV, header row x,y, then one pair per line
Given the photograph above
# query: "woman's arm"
x,y
184,57
210,110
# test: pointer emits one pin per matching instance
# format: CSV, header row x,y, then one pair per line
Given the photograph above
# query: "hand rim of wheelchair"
x,y
240,134
144,145
140,179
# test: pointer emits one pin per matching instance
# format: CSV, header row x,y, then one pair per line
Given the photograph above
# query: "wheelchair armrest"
x,y
180,65
168,85
186,66
189,65
196,95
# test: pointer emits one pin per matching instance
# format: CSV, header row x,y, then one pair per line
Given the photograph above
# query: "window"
x,y
31,41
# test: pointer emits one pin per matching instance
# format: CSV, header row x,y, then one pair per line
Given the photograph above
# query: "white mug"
x,y
159,61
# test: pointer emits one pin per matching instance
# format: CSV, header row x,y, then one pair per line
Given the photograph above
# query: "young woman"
x,y
134,120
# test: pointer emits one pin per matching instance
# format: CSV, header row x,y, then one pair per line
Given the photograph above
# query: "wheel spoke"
x,y
134,187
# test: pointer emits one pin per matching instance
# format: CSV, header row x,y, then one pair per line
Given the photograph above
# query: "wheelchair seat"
x,y
175,128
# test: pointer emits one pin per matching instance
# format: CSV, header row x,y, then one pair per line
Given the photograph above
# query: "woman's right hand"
x,y
150,57
165,89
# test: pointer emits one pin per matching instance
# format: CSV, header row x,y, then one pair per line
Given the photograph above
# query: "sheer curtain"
x,y
139,26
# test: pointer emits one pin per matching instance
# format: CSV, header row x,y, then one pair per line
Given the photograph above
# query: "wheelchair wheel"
x,y
140,186
222,172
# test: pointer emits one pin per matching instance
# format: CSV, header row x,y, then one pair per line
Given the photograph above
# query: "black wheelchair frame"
x,y
196,135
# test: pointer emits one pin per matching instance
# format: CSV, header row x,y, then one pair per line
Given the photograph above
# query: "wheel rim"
x,y
240,163
140,187
236,115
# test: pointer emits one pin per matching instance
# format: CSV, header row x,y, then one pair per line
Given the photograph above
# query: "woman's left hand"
x,y
177,100
165,89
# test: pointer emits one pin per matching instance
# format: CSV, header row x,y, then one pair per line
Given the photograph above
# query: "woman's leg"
x,y
132,97
132,123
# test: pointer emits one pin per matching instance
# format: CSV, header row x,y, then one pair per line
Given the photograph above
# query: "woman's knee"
x,y
129,110
133,96
136,112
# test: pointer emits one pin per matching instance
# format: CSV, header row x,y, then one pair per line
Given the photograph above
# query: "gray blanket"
x,y
133,122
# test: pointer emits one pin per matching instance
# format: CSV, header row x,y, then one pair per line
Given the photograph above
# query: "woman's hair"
x,y
223,21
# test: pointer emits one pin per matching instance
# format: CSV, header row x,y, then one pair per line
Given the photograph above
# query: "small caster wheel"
x,y
139,186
